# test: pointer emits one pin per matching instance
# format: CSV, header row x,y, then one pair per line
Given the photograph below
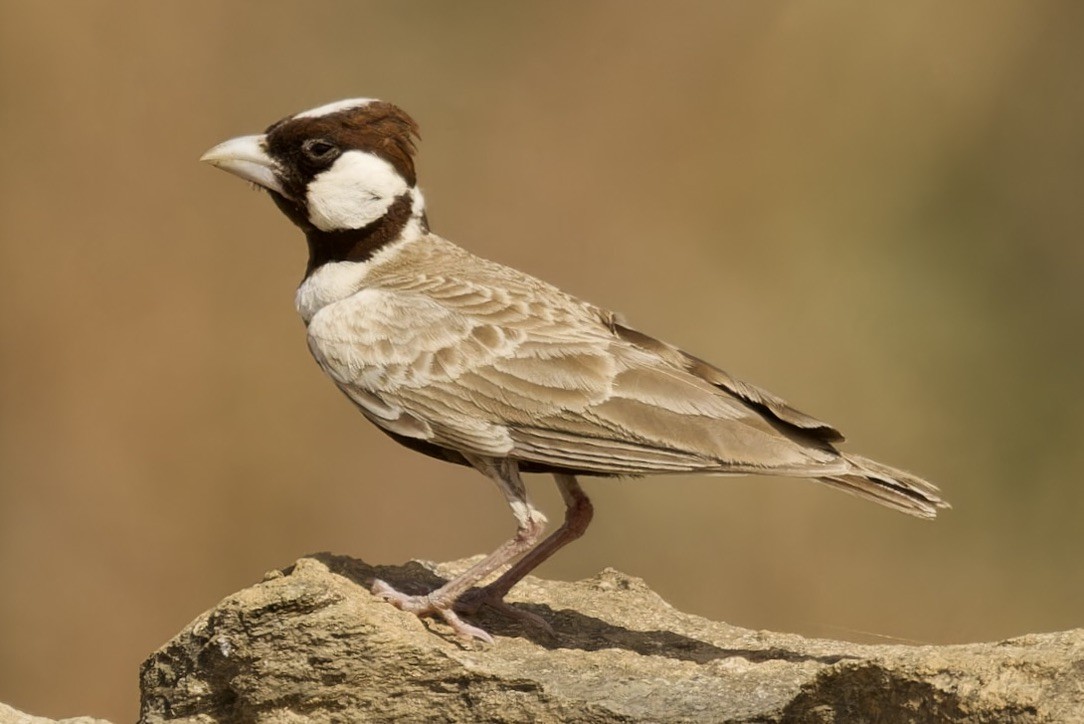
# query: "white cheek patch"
x,y
327,110
356,191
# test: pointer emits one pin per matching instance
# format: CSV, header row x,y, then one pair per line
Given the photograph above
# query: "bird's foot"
x,y
428,605
474,599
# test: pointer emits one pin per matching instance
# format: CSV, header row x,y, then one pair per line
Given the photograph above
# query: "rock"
x,y
311,644
9,715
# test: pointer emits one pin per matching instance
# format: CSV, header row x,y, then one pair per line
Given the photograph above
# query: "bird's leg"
x,y
530,525
578,514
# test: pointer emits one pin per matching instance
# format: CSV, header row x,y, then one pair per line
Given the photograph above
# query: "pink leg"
x,y
441,602
578,515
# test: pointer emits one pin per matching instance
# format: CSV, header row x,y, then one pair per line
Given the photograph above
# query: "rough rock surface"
x,y
311,644
10,715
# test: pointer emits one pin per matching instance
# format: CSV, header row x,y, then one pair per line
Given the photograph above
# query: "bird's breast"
x,y
329,284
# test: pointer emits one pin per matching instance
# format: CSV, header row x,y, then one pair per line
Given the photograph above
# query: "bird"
x,y
479,364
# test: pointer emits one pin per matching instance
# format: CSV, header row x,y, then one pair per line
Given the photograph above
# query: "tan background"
x,y
874,210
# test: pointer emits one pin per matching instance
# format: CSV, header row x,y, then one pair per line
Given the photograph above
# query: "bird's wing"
x,y
514,371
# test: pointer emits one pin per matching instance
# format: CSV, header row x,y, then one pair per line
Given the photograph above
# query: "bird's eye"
x,y
319,150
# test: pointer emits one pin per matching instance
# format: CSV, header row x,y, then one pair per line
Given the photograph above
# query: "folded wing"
x,y
553,382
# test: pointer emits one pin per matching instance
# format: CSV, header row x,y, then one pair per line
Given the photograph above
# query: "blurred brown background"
x,y
874,210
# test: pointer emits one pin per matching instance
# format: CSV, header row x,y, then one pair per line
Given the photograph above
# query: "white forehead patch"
x,y
356,191
327,110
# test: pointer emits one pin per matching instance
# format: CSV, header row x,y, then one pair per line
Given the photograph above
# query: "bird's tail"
x,y
888,486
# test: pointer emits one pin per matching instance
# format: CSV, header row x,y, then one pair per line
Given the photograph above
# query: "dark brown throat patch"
x,y
358,244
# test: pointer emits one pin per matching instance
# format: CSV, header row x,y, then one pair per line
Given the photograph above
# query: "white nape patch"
x,y
328,109
356,191
413,226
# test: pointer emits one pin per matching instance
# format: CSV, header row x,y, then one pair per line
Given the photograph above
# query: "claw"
x,y
425,605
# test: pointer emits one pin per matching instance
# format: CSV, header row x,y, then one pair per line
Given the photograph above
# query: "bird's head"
x,y
338,171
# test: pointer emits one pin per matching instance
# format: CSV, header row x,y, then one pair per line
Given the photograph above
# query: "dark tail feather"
x,y
888,486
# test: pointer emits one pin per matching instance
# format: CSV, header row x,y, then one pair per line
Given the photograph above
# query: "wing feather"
x,y
543,378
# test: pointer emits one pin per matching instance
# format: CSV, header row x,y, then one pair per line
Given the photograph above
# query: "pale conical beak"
x,y
246,157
